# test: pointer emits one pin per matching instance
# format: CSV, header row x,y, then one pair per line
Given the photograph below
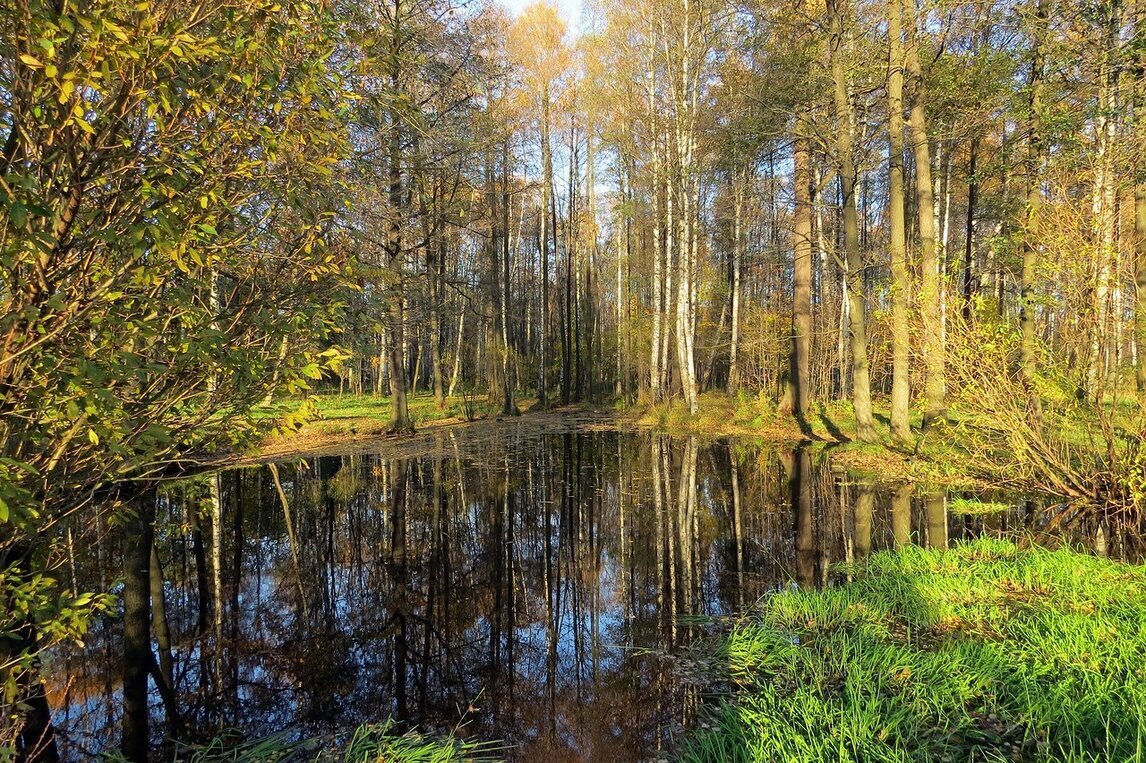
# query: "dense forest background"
x,y
208,207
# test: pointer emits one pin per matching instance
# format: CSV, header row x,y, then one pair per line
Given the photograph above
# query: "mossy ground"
x,y
332,419
942,458
936,459
948,456
986,652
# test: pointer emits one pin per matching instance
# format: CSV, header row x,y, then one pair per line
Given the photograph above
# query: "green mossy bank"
x,y
985,652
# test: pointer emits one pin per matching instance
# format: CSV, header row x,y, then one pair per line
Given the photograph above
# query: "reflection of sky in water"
x,y
621,601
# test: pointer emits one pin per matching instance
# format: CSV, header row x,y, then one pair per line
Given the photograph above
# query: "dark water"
x,y
533,584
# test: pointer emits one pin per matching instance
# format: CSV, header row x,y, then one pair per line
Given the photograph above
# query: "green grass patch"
x,y
986,652
381,744
334,414
974,507
371,743
334,408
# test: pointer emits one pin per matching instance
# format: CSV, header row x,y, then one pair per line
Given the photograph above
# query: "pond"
x,y
528,583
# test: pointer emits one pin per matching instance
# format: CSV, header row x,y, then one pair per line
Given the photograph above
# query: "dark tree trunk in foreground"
x,y
36,739
139,535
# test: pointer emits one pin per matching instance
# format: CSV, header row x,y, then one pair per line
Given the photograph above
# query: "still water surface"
x,y
532,584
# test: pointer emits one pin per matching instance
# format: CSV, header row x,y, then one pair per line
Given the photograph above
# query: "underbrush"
x,y
1055,432
718,413
986,652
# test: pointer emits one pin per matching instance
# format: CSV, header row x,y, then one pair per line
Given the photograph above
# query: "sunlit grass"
x,y
382,744
974,506
371,743
333,414
986,652
423,408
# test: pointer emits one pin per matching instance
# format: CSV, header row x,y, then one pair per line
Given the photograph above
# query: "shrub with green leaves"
x,y
166,198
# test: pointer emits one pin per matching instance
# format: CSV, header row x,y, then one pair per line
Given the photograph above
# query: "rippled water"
x,y
534,584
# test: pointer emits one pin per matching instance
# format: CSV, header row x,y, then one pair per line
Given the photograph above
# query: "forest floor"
x,y
336,420
937,458
985,652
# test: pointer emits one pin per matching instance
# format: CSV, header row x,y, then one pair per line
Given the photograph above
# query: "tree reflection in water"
x,y
534,586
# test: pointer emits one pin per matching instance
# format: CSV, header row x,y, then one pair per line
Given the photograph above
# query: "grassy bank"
x,y
1067,456
986,652
330,419
937,458
966,453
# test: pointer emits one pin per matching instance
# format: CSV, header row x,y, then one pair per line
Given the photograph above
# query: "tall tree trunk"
x,y
508,405
591,261
399,408
215,498
548,230
619,390
671,267
901,285
1034,161
1138,103
435,243
737,259
567,323
1140,284
797,397
656,370
491,317
139,535
456,374
857,329
969,242
1103,201
930,299
691,60
437,282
